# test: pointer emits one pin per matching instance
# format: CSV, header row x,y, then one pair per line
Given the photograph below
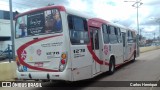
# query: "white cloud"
x,y
4,5
105,10
110,10
150,28
78,5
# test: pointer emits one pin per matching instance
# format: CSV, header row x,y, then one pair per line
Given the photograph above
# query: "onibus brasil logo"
x,y
21,84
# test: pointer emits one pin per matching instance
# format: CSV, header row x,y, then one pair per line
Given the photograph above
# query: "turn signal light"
x,y
17,61
16,58
64,56
63,61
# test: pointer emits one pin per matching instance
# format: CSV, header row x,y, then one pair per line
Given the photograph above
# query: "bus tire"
x,y
134,58
111,66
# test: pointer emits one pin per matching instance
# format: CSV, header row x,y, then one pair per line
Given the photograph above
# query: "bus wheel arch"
x,y
112,65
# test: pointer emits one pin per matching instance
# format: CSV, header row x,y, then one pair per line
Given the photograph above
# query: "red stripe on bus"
x,y
107,63
24,46
95,57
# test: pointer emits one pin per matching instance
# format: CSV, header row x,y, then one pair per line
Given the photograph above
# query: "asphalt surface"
x,y
145,68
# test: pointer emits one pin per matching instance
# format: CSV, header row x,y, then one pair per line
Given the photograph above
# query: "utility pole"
x,y
12,29
140,34
136,4
154,36
159,32
158,21
137,15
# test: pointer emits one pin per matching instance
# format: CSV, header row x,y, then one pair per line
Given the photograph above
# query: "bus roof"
x,y
77,13
108,23
61,8
102,21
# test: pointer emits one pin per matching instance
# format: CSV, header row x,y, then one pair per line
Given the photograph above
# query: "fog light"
x,y
20,69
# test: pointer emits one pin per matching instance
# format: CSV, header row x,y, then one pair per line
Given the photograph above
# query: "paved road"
x,y
145,68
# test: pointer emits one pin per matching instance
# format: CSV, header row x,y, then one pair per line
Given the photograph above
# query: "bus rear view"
x,y
40,44
55,43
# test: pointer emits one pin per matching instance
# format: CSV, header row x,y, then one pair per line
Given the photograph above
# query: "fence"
x,y
7,53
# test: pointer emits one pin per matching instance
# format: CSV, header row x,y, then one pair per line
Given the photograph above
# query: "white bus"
x,y
54,43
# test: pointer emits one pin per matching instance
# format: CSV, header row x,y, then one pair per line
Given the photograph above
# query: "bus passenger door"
x,y
124,46
96,48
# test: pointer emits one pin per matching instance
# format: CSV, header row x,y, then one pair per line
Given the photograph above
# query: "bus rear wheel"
x,y
111,66
134,58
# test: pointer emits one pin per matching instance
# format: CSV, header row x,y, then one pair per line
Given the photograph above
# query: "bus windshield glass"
x,y
38,23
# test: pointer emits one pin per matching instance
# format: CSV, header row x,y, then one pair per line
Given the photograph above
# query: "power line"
x,y
20,3
36,2
23,4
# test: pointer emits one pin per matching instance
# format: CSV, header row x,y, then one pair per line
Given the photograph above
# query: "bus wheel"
x,y
111,66
134,58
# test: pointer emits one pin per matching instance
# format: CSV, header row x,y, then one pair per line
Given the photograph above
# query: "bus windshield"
x,y
38,23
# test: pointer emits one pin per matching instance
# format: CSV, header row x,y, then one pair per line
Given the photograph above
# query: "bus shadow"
x,y
125,65
94,82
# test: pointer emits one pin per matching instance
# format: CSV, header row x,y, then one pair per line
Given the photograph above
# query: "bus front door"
x,y
95,47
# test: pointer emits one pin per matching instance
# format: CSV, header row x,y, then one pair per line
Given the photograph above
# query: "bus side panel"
x,y
104,53
106,57
130,50
131,45
81,62
82,73
67,72
117,52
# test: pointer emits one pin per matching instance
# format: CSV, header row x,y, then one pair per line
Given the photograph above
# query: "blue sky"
x,y
112,10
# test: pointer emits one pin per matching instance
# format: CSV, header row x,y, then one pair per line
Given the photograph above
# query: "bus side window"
x,y
124,38
112,35
119,38
70,22
134,37
130,37
91,36
105,34
78,30
96,40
